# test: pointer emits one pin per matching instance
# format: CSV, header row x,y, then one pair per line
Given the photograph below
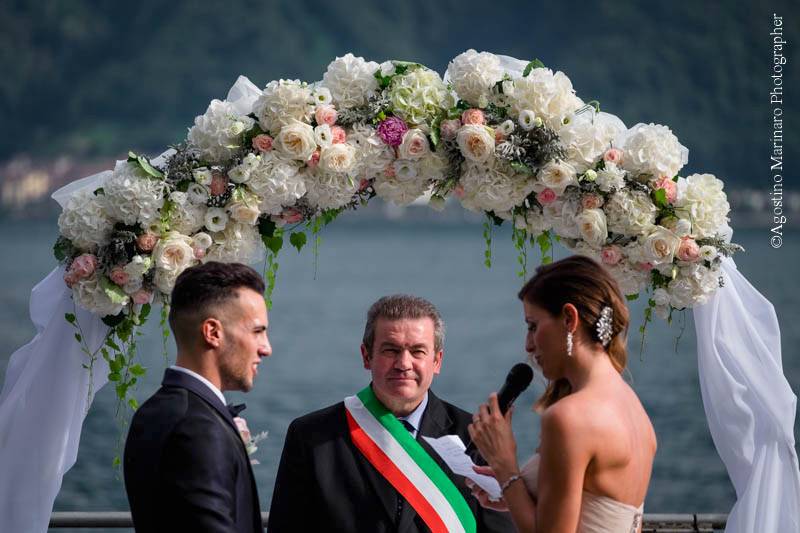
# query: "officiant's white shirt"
x,y
203,380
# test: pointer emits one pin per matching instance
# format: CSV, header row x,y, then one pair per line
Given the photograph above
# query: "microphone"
x,y
517,380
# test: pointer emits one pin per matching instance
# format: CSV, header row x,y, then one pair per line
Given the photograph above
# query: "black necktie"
x,y
236,409
400,499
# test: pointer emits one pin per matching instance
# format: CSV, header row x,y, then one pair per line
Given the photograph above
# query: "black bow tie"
x,y
236,409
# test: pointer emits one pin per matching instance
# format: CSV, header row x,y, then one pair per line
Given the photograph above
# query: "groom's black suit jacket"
x,y
186,467
324,483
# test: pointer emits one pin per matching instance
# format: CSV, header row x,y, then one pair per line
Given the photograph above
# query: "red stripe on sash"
x,y
395,476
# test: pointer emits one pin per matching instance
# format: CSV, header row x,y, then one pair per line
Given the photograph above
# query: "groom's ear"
x,y
212,332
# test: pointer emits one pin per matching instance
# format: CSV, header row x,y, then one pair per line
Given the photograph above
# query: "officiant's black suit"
x,y
324,483
186,467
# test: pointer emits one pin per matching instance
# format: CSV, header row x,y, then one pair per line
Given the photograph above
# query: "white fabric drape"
x,y
749,405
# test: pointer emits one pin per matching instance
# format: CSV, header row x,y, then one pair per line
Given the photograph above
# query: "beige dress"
x,y
599,514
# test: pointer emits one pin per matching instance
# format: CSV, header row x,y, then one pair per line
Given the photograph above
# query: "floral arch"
x,y
504,137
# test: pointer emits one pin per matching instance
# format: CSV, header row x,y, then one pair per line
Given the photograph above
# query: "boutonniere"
x,y
249,439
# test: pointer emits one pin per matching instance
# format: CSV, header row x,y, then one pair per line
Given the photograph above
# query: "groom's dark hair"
x,y
200,289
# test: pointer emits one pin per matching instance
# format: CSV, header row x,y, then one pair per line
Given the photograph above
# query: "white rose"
x,y
557,176
414,145
652,150
592,227
296,141
244,208
476,142
659,246
473,75
337,158
172,255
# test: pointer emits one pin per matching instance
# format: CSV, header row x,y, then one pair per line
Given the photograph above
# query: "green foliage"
x,y
532,65
487,238
145,165
298,240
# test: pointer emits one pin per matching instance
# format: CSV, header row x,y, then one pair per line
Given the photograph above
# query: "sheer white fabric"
x,y
749,405
45,396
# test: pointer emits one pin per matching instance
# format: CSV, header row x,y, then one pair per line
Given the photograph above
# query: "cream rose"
x,y
557,176
592,227
414,145
476,142
172,255
296,141
337,158
659,246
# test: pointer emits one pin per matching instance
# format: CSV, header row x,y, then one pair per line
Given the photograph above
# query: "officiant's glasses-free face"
x,y
403,362
245,340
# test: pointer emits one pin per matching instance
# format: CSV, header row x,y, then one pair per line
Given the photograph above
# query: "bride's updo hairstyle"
x,y
584,283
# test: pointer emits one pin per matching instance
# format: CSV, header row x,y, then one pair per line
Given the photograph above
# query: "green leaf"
x,y
145,312
298,240
274,244
99,191
266,227
145,165
137,370
532,65
78,337
660,198
114,376
63,249
133,403
631,297
70,318
116,462
522,168
113,321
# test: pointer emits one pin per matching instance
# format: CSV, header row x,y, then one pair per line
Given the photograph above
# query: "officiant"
x,y
362,465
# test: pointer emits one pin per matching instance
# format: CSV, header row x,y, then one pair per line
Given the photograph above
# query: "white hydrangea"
x,y
630,212
351,81
534,222
418,96
283,101
237,243
493,186
631,280
652,149
372,154
188,218
241,172
329,190
705,202
136,270
433,166
693,285
563,216
402,190
277,182
131,196
611,178
473,74
587,137
218,133
85,221
583,248
96,296
550,96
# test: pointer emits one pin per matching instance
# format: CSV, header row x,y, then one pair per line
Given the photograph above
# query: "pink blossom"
x,y
391,131
313,161
363,184
199,253
262,143
591,201
647,266
449,128
389,171
611,255
84,266
613,155
291,215
669,186
326,114
244,431
71,279
473,116
547,196
219,183
338,135
142,297
498,136
688,250
119,276
458,192
146,242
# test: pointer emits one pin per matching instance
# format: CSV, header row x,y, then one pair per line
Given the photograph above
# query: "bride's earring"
x,y
569,344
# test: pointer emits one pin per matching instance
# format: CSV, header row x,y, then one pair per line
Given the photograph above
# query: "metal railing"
x,y
653,523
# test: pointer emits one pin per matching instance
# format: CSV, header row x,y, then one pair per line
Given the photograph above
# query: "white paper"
x,y
451,449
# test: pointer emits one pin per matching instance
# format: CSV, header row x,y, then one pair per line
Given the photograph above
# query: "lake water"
x,y
316,326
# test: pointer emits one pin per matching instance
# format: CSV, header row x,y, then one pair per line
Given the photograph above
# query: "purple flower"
x,y
392,130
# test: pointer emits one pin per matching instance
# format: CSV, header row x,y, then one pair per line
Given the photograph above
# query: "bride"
x,y
592,468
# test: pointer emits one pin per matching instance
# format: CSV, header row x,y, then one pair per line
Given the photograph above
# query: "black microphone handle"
x,y
505,398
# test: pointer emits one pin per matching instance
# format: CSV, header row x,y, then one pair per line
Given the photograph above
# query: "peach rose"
x,y
591,201
146,242
669,186
262,143
313,161
339,135
473,116
449,128
119,276
326,114
611,255
613,155
688,250
84,266
142,297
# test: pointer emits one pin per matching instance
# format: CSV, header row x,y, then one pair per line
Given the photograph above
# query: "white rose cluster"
x,y
493,186
217,134
85,221
283,101
351,81
131,196
653,150
706,204
473,74
550,96
418,96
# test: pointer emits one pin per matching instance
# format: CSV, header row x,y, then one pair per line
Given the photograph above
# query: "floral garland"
x,y
519,147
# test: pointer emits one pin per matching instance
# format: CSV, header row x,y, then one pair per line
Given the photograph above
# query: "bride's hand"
x,y
481,495
491,432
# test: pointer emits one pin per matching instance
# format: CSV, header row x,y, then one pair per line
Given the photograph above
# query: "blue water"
x,y
316,327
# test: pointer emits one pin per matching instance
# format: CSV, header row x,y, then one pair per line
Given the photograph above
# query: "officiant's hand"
x,y
481,495
491,432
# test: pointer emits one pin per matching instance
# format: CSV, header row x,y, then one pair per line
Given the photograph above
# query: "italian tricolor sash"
x,y
391,449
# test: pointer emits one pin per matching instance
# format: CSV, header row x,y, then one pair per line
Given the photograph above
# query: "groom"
x,y
362,466
186,466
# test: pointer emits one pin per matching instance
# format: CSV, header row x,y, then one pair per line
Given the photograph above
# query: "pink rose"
x,y
591,201
313,161
71,279
119,276
459,191
199,253
611,255
146,242
449,128
547,196
473,116
241,425
290,215
363,184
84,266
391,131
688,250
389,171
326,114
613,155
262,143
142,297
647,267
669,186
219,183
338,135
